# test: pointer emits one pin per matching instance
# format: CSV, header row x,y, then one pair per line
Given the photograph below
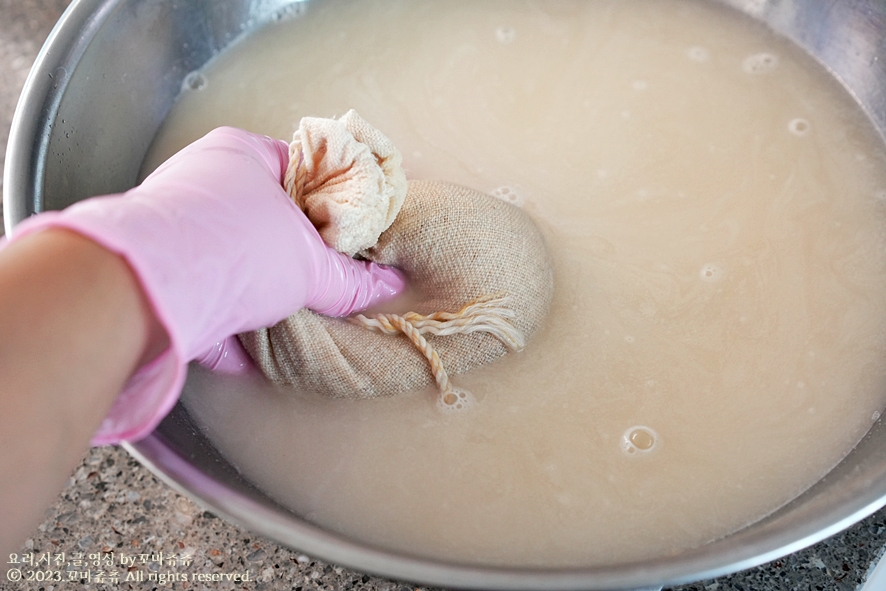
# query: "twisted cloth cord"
x,y
485,314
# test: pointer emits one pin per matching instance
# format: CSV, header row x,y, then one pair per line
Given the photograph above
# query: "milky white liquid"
x,y
714,204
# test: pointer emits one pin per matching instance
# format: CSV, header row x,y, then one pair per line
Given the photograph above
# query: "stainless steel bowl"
x,y
104,82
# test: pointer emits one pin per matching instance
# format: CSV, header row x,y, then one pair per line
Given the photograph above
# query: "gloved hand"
x,y
227,357
219,249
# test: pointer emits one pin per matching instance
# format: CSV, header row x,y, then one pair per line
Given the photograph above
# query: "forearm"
x,y
74,325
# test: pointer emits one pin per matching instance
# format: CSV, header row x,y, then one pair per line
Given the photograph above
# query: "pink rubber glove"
x,y
228,357
219,249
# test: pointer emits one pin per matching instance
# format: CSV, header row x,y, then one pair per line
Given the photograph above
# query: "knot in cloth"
x,y
346,176
477,266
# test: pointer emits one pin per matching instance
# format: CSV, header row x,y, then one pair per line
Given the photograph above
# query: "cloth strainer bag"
x,y
477,266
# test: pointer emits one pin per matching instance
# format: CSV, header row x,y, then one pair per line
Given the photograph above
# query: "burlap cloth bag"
x,y
479,265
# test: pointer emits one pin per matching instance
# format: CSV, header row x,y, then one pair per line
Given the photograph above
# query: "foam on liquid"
x,y
715,207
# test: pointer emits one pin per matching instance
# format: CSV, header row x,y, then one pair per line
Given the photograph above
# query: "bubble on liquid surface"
x,y
799,126
194,81
760,63
698,54
508,194
455,400
639,85
505,34
639,439
711,273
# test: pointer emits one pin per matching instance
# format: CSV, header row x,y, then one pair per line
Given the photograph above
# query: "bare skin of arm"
x,y
74,325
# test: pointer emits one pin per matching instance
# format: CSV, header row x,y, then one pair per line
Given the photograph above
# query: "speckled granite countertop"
x,y
112,504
